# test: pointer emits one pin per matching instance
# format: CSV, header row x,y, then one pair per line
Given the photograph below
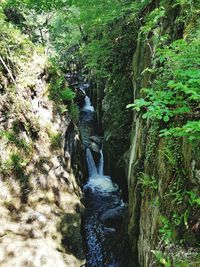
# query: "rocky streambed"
x,y
103,230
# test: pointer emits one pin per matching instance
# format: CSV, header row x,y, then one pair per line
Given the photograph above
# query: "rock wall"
x,y
39,195
159,171
155,195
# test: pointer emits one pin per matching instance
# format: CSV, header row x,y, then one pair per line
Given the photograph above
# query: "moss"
x,y
116,121
152,143
19,142
173,152
56,141
74,112
175,203
148,182
71,236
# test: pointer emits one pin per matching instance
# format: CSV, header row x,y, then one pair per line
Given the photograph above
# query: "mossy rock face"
x,y
170,163
36,187
116,124
173,163
71,236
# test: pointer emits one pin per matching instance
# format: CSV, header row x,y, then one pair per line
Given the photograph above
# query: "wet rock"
x,y
96,139
94,147
83,86
113,216
71,238
80,97
109,230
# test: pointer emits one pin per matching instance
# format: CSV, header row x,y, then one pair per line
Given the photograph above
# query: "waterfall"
x,y
101,197
97,180
88,106
101,164
92,169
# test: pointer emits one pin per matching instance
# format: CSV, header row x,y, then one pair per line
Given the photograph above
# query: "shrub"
x,y
20,143
174,94
67,94
56,141
15,165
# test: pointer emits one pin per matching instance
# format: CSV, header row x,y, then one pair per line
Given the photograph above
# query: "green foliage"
x,y
74,112
56,141
100,36
40,6
15,165
167,260
148,182
166,230
16,162
56,81
194,199
97,54
14,47
169,155
68,95
65,35
193,261
172,152
191,130
151,148
57,89
161,258
20,143
152,20
175,92
97,13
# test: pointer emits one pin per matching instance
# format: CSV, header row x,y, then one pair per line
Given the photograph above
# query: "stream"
x,y
103,219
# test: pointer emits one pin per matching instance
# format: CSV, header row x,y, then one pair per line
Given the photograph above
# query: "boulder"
x,y
96,139
94,147
113,216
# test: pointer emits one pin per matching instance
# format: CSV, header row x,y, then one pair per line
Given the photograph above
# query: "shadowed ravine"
x,y
102,222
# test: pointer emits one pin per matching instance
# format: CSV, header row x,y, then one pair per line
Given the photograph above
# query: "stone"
x,y
96,139
94,147
80,97
109,231
112,216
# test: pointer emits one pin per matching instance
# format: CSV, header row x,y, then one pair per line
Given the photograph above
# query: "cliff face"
x,y
39,195
156,195
162,173
159,172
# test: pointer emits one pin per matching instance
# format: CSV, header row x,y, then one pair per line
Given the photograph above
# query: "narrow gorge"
x,y
100,133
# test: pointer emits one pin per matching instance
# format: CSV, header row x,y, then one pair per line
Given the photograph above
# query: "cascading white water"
x,y
101,198
98,181
92,169
88,106
101,164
